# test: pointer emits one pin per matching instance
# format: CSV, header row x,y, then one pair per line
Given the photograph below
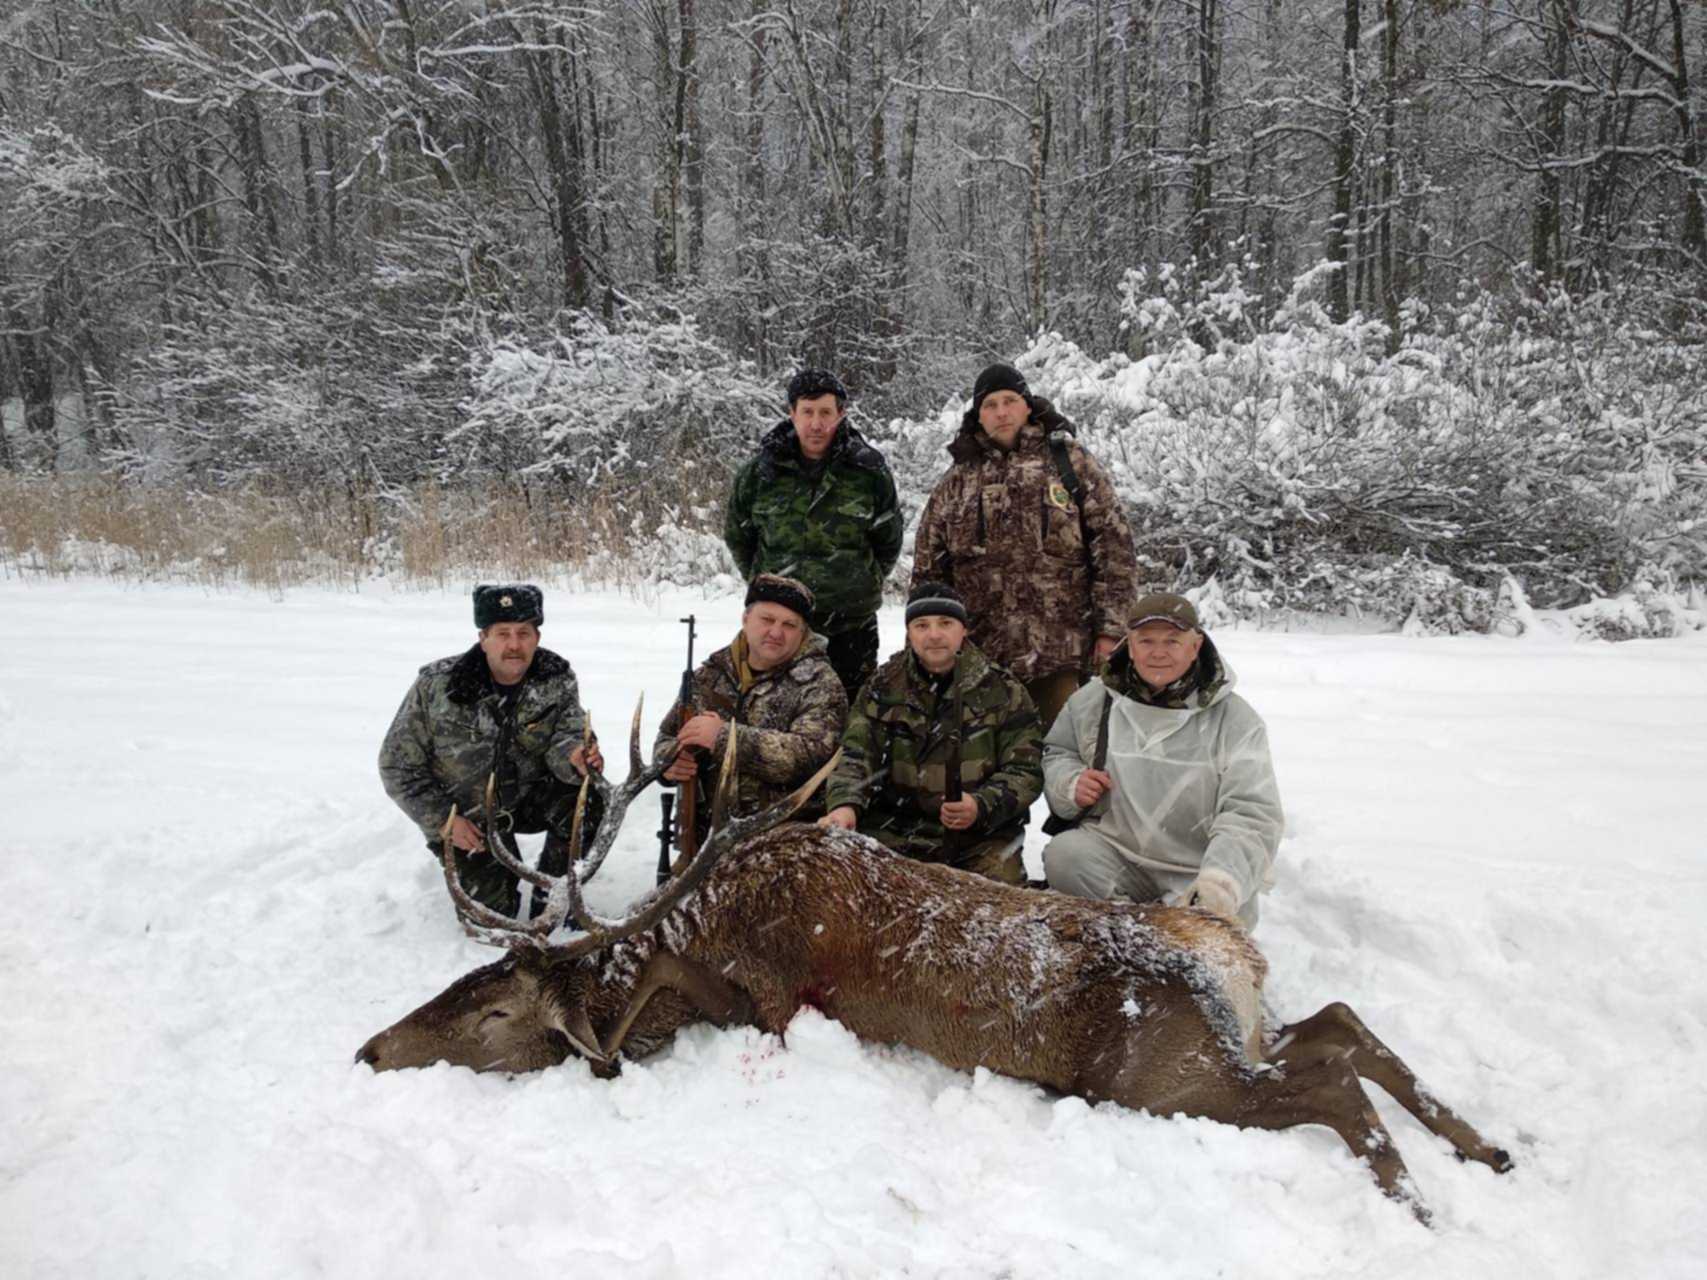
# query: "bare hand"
x,y
844,816
700,731
580,757
466,836
957,815
1091,786
1105,646
682,768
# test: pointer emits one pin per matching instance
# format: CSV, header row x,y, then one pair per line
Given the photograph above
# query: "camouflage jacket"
x,y
1042,575
452,732
836,527
791,720
895,754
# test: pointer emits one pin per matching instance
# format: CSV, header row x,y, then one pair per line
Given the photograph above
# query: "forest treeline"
x,y
547,256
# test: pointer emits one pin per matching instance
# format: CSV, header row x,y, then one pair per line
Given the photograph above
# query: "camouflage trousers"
x,y
995,858
1050,694
549,808
853,654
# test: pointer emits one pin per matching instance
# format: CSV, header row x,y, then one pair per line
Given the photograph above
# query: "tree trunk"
x,y
691,137
1205,88
666,181
1545,222
1345,155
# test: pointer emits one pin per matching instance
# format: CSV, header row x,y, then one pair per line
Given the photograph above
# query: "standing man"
x,y
937,708
818,504
1027,528
1185,809
508,713
777,684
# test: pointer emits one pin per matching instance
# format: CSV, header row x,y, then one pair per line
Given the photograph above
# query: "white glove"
x,y
1216,891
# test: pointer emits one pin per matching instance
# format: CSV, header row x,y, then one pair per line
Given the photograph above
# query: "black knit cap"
x,y
496,602
935,599
809,384
999,377
773,588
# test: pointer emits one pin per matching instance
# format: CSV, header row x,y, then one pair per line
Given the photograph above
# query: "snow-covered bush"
x,y
1300,464
632,402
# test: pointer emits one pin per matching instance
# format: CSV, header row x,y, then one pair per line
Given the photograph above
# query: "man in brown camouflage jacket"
x,y
1027,528
775,680
505,713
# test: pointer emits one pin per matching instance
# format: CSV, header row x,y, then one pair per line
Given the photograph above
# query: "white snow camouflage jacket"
x,y
1193,787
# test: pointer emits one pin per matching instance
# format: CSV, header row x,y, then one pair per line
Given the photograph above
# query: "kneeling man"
x,y
1186,810
506,712
941,757
775,681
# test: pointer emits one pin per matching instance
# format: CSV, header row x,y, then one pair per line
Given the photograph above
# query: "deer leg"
x,y
1325,1093
1338,1033
720,1000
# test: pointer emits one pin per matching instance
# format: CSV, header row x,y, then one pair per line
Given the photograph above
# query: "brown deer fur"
x,y
1152,1007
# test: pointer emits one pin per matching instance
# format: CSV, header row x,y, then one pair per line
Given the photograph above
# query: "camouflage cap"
x,y
1162,607
496,602
790,593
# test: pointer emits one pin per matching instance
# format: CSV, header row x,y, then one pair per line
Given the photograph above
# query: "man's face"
x,y
815,421
1162,653
774,634
1002,414
509,648
935,641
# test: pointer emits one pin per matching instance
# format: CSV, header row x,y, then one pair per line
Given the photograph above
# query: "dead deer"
x,y
1153,1007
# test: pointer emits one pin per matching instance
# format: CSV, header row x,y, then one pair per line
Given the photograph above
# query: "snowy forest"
x,y
1389,307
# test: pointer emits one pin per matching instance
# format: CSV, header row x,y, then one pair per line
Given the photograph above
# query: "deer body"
x,y
1039,986
1151,1007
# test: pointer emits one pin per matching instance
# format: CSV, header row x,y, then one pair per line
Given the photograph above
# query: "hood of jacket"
x,y
1209,681
971,442
781,446
471,677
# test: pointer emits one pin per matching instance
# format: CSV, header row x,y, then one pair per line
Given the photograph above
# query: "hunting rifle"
x,y
681,836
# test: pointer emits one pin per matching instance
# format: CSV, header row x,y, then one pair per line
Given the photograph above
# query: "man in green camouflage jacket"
x,y
776,682
818,504
508,712
937,702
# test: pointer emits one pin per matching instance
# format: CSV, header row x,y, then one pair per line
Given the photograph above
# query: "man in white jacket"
x,y
1184,809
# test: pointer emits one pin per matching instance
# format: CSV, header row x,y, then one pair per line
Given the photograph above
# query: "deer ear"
x,y
579,1032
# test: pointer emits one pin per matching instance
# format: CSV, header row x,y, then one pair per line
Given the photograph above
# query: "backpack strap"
x,y
1057,441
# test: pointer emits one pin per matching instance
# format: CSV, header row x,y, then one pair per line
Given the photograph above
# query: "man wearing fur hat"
x,y
818,504
940,760
1027,528
775,681
506,712
1185,808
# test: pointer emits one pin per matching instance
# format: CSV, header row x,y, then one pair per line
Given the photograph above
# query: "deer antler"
x,y
565,900
666,897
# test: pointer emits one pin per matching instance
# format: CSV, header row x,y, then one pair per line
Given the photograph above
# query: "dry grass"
x,y
254,537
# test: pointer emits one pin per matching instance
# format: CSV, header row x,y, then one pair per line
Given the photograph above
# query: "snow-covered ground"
x,y
1496,852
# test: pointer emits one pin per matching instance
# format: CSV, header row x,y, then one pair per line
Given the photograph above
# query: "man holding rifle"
x,y
777,683
492,742
942,755
1166,773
